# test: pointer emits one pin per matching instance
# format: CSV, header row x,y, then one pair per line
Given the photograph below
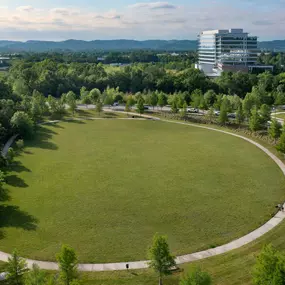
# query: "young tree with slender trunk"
x,y
160,258
254,121
240,117
99,107
16,269
223,117
210,115
140,105
67,262
275,129
183,111
281,145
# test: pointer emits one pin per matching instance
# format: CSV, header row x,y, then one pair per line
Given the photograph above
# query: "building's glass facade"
x,y
227,47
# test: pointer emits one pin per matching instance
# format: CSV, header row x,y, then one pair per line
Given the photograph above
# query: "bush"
x,y
20,144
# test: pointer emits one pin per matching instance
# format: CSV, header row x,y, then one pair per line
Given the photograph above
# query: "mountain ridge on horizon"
x,y
74,45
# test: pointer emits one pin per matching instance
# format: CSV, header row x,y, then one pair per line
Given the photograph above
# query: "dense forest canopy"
x,y
39,84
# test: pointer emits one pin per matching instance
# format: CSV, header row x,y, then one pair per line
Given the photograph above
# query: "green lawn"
x,y
233,268
105,187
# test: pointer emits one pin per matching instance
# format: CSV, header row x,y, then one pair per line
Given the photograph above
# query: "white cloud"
x,y
143,20
25,9
153,5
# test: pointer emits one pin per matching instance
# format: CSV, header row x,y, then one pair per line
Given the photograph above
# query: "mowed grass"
x,y
106,187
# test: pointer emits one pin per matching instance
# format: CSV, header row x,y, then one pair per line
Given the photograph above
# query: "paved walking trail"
x,y
277,219
282,121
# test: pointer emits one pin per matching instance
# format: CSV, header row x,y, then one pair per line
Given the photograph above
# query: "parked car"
x,y
217,113
192,110
116,104
232,115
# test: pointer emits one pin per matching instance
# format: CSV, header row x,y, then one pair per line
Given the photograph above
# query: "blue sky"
x,y
137,19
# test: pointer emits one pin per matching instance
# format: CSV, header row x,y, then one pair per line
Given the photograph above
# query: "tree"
x,y
183,111
269,268
210,98
2,178
281,145
248,103
94,95
160,258
210,115
16,268
196,98
254,120
22,124
140,105
85,99
265,113
99,106
109,100
67,262
174,106
71,101
196,277
153,99
10,155
128,107
36,276
275,129
162,100
223,117
240,115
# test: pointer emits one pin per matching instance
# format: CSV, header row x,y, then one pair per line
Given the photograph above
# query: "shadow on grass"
x,y
110,115
17,166
15,181
79,122
42,139
83,113
4,195
12,216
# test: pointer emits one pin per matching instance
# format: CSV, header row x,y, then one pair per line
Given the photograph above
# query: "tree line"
x,y
269,268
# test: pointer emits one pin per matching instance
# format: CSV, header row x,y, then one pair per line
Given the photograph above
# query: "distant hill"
x,y
116,45
277,45
100,45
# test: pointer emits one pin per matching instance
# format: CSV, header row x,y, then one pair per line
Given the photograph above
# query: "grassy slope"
x,y
234,268
101,217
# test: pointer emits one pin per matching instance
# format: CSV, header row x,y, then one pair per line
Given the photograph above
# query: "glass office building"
x,y
220,48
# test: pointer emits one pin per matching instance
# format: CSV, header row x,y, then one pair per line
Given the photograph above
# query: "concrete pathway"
x,y
282,121
272,223
8,145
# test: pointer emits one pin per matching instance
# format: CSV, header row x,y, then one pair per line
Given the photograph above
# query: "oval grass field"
x,y
106,187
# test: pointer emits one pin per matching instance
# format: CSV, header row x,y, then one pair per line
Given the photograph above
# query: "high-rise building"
x,y
221,50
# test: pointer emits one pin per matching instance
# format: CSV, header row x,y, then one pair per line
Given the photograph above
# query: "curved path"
x,y
282,121
273,222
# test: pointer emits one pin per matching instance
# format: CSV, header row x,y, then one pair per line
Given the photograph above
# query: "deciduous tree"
x,y
16,269
160,258
281,145
22,124
269,268
254,120
67,262
275,129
